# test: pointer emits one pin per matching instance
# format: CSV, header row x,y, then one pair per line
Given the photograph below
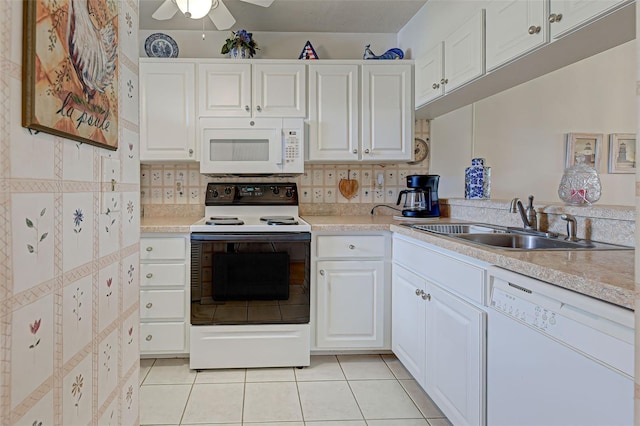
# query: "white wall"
x,y
278,45
451,148
521,132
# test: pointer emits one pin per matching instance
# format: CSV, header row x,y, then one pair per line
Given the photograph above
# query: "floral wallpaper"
x,y
68,254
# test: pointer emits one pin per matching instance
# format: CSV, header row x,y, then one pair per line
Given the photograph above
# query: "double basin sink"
x,y
512,238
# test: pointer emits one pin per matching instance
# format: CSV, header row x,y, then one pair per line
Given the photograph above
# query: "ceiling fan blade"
x,y
166,11
263,3
221,17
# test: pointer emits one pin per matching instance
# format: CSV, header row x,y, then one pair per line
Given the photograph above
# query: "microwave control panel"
x,y
291,145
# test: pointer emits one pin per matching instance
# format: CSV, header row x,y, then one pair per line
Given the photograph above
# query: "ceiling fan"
x,y
196,9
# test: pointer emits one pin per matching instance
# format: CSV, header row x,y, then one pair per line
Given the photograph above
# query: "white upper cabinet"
x,y
464,53
333,112
252,90
361,112
568,15
387,112
429,75
514,28
167,111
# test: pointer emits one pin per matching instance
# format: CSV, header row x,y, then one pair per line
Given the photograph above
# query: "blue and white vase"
x,y
477,180
238,53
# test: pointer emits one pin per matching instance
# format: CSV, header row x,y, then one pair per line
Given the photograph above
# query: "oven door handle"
x,y
244,237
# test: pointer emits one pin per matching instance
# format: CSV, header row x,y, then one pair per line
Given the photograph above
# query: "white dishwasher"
x,y
556,357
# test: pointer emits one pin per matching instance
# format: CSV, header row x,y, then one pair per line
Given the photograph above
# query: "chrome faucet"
x,y
529,216
571,227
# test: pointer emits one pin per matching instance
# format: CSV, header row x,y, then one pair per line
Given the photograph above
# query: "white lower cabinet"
x,y
408,324
455,352
164,294
439,327
351,291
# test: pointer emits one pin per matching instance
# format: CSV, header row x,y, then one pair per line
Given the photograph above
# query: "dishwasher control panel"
x,y
530,313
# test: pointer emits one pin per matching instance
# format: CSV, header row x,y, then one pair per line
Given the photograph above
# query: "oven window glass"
x,y
239,149
243,282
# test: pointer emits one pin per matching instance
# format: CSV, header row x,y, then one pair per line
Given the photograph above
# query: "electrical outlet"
x,y
179,187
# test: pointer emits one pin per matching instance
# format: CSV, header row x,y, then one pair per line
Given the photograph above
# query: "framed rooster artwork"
x,y
70,69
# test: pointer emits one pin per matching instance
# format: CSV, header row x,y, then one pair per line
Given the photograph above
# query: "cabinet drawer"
x,y
162,248
341,246
162,337
162,274
452,274
160,304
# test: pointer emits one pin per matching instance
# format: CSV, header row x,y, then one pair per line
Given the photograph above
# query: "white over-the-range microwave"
x,y
251,146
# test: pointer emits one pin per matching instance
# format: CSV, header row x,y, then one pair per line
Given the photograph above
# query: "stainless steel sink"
x,y
459,228
512,238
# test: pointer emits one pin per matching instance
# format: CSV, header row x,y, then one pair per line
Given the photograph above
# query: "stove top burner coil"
x,y
282,222
225,222
223,218
276,218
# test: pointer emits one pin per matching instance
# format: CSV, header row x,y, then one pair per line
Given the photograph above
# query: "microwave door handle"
x,y
282,150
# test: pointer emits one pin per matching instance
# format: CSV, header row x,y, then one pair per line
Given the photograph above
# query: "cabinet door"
x,y
167,111
429,75
350,304
513,28
224,90
387,112
464,53
576,13
408,328
279,90
333,113
455,356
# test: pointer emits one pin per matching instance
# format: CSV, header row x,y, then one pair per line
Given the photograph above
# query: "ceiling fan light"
x,y
194,9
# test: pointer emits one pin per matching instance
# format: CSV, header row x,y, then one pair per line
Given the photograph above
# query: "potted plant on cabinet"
x,y
240,46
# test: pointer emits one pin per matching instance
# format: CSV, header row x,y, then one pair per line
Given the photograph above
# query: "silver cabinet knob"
x,y
190,152
149,305
259,108
426,296
149,275
246,108
555,17
435,86
355,151
534,30
148,338
322,272
149,248
444,81
352,247
418,292
366,151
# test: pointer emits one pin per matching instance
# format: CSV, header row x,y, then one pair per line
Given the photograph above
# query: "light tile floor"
x,y
343,390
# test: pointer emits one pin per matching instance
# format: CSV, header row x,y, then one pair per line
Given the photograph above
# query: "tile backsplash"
x,y
171,184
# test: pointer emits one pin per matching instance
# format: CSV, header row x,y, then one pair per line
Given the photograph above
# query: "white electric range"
x,y
250,278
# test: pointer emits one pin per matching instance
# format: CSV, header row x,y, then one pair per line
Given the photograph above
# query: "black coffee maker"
x,y
421,200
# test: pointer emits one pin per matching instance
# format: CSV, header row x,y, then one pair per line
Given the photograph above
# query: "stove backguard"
x,y
245,278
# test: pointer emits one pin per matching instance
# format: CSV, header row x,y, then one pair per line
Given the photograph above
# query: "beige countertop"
x,y
605,275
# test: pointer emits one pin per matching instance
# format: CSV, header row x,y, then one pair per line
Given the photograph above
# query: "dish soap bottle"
x,y
477,180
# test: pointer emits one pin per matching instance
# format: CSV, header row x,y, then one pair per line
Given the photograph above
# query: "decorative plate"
x,y
420,151
160,45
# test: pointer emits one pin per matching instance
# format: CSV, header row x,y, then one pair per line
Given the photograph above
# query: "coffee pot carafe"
x,y
421,199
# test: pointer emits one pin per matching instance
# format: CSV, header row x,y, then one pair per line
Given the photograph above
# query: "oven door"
x,y
250,278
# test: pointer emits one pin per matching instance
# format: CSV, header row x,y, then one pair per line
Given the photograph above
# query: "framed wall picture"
x,y
584,148
622,153
70,69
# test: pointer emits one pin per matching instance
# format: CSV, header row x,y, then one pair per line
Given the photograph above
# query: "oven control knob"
x,y
275,190
288,194
214,193
227,190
